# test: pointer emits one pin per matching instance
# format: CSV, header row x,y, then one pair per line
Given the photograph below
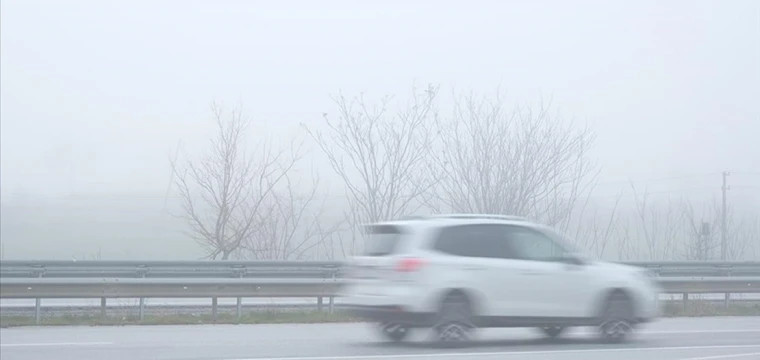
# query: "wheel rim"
x,y
453,332
616,329
617,324
455,322
394,328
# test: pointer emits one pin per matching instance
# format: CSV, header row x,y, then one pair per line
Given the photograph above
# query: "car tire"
x,y
394,332
552,332
617,318
454,323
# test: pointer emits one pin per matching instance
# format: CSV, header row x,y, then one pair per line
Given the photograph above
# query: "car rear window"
x,y
383,240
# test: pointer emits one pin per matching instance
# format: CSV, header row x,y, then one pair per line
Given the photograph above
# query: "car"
x,y
455,273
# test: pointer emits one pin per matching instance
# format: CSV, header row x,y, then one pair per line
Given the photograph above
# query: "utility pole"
x,y
723,220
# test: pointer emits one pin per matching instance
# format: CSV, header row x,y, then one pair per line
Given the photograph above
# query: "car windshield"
x,y
568,243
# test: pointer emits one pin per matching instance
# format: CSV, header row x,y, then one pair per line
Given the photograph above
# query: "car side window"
x,y
483,241
532,245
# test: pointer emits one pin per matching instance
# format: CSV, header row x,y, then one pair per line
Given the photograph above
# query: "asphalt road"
x,y
736,338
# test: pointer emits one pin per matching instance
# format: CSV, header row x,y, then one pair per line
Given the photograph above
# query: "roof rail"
x,y
481,216
414,217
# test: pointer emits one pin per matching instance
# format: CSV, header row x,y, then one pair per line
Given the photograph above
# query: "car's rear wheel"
x,y
454,324
552,331
394,332
617,318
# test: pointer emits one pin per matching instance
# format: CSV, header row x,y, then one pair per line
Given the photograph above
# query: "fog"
x,y
97,98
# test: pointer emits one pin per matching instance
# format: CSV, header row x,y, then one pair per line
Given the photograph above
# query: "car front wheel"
x,y
617,319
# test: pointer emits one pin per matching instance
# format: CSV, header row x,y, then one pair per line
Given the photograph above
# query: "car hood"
x,y
602,265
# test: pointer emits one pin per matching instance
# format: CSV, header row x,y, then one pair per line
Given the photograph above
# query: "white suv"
x,y
454,273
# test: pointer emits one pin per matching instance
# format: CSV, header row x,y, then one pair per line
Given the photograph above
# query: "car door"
x,y
549,285
481,255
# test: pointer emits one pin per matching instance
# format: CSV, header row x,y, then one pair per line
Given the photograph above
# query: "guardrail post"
x,y
38,305
685,301
239,310
141,312
37,310
729,272
214,302
332,298
319,303
103,307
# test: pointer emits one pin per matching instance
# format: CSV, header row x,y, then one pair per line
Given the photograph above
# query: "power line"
x,y
681,177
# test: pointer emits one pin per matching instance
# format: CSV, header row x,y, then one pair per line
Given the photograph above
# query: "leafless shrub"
x,y
596,232
658,226
378,155
702,239
743,234
291,223
222,191
524,162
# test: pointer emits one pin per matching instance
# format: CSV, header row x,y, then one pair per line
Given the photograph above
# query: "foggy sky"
x,y
96,95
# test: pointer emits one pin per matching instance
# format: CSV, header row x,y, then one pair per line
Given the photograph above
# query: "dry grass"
x,y
256,317
695,308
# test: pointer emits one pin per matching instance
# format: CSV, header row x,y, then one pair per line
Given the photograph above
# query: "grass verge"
x,y
694,309
256,317
697,308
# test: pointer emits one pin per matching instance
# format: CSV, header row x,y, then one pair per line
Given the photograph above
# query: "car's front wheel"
x,y
394,332
617,318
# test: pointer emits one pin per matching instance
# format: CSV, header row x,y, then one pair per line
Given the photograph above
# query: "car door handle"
x,y
532,273
473,268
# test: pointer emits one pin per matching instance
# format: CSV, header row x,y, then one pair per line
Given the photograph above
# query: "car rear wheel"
x,y
454,324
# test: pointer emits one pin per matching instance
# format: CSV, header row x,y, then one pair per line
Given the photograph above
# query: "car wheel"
x,y
617,319
552,331
394,332
454,325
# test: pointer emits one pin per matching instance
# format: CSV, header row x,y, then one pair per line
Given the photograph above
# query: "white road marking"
x,y
729,356
506,353
664,332
57,344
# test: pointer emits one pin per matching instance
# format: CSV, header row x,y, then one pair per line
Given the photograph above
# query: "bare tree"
x,y
596,232
223,190
627,248
659,226
701,239
379,155
291,224
742,233
523,161
343,241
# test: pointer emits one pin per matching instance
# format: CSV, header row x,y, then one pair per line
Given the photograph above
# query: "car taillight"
x,y
409,264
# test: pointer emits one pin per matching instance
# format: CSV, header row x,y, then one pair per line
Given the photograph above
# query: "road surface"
x,y
735,338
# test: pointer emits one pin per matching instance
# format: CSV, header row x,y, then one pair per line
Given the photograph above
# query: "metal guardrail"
x,y
170,269
237,279
291,269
